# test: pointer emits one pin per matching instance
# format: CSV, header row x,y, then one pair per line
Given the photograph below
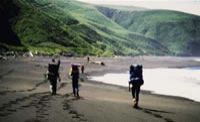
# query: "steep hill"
x,y
49,26
75,28
179,32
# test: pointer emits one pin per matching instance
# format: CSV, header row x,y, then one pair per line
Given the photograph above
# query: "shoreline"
x,y
142,91
122,85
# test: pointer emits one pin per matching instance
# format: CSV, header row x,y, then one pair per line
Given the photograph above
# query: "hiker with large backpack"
x,y
53,75
136,80
75,79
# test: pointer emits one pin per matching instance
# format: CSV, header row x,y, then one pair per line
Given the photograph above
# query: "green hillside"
x,y
175,30
74,28
49,26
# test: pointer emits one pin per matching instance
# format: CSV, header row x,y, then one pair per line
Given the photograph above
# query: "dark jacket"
x,y
53,73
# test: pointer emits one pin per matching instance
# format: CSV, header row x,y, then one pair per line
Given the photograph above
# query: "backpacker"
x,y
136,76
52,71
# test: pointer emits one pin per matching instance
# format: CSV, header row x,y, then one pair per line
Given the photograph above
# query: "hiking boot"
x,y
135,105
77,95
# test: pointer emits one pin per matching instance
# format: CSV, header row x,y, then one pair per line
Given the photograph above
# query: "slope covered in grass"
x,y
49,26
75,28
175,30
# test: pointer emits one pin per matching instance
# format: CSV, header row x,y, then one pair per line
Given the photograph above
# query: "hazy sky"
x,y
189,6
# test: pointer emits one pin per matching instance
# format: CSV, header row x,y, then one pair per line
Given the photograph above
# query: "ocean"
x,y
181,82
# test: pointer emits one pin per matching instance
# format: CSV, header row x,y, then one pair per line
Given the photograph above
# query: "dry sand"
x,y
25,97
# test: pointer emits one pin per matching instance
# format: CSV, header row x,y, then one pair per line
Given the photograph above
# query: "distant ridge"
x,y
178,31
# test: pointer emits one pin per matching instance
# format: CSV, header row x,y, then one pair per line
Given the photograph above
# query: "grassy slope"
x,y
177,31
55,26
42,26
50,26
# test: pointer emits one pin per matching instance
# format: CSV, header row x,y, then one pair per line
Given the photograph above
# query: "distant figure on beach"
x,y
136,80
82,69
53,75
88,59
75,79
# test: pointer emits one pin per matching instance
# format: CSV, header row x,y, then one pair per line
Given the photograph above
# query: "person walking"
x,y
82,69
75,79
53,75
88,59
136,80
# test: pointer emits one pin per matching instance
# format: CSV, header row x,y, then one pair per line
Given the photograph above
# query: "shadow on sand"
x,y
156,113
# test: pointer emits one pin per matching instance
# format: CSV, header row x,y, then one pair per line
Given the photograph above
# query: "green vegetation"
x,y
179,32
70,27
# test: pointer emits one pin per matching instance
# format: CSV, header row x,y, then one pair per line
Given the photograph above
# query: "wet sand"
x,y
25,97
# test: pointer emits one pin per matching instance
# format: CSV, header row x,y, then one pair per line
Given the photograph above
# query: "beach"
x,y
25,96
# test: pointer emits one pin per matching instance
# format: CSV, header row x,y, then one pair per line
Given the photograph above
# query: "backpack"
x,y
52,71
75,71
136,76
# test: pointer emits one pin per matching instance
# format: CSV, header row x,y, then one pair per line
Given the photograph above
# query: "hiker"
x,y
82,69
75,78
136,80
53,75
88,59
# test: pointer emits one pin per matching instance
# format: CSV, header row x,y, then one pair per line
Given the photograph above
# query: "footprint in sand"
x,y
168,120
42,106
25,90
74,114
17,104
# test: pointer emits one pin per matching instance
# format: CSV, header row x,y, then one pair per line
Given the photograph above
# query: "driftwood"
x,y
98,62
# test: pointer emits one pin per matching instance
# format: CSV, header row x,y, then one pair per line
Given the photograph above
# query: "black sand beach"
x,y
25,97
